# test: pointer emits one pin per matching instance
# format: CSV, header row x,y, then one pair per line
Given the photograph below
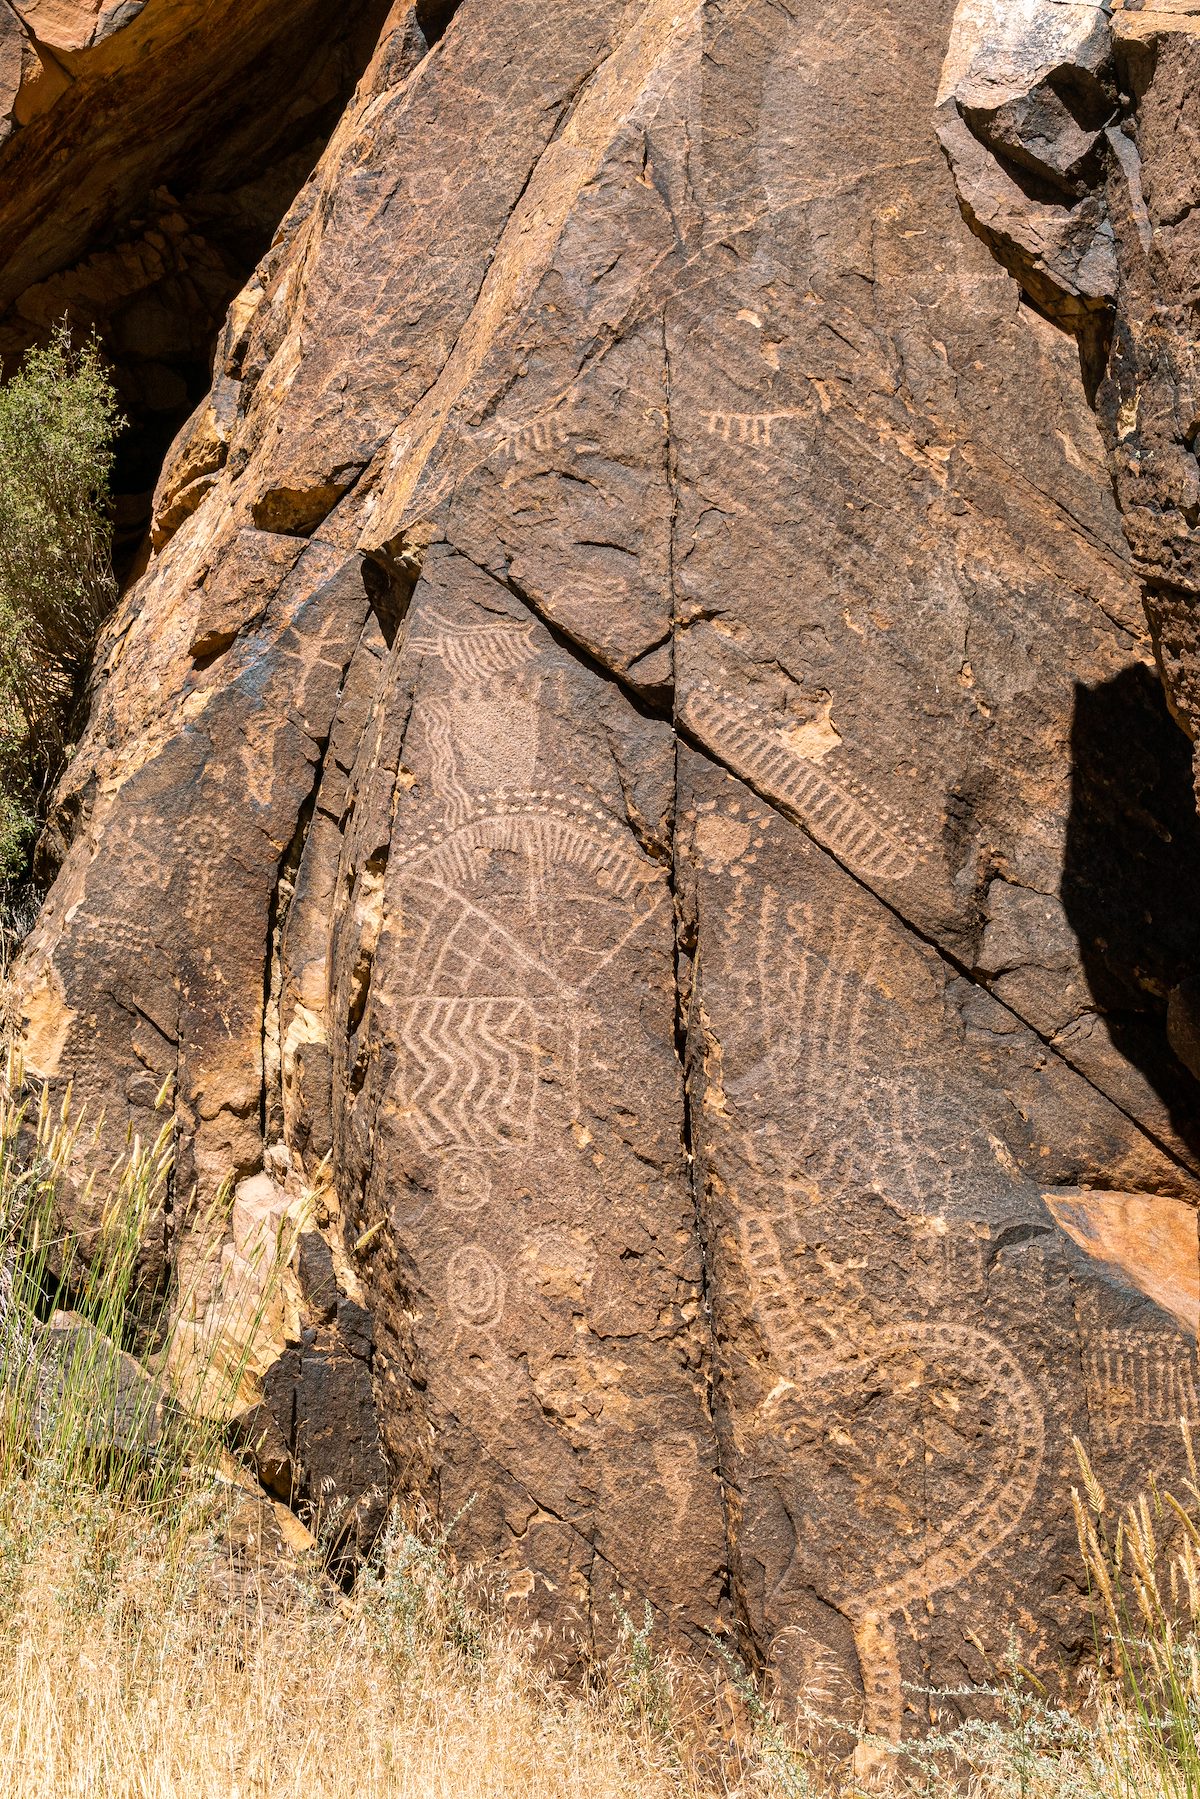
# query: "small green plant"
x,y
58,423
411,1597
781,1766
639,1679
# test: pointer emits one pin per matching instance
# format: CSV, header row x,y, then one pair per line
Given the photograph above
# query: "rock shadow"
x,y
1131,876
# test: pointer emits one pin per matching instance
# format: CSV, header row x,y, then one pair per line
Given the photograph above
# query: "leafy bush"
x,y
58,423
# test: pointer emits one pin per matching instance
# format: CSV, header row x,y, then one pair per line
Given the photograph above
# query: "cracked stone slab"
x,y
1134,201
905,1341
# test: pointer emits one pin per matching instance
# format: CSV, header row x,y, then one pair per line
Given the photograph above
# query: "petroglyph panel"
x,y
693,358
850,521
895,1307
512,1107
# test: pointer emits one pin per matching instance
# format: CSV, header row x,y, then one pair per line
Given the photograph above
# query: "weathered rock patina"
x,y
612,748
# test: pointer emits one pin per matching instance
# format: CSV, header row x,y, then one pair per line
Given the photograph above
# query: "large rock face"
x,y
639,741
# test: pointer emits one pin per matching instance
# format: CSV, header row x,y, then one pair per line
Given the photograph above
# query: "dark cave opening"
x,y
141,202
1131,872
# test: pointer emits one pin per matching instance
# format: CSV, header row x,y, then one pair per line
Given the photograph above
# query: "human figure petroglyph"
x,y
839,811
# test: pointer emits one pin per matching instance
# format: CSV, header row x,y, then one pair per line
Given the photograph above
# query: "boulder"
x,y
612,759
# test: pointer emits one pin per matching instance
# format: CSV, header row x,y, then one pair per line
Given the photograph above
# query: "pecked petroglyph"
x,y
1136,1378
755,429
831,1343
840,812
477,653
475,1288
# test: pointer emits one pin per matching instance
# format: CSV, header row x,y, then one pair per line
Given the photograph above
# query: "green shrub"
x,y
58,423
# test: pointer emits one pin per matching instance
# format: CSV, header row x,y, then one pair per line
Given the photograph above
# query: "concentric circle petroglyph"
x,y
464,1182
475,1288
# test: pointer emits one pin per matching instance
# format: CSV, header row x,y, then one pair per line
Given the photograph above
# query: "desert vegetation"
x,y
155,1645
58,423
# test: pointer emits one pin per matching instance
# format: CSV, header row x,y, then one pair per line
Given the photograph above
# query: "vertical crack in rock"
x,y
282,896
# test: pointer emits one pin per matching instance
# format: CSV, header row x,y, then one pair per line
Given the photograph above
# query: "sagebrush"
x,y
59,421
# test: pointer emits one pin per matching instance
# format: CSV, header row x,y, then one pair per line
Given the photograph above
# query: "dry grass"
x,y
118,1676
140,1659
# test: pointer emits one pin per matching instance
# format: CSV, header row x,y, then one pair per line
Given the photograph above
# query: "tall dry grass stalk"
x,y
138,1684
1143,1566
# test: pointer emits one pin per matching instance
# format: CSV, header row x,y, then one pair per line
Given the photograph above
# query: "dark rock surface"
x,y
613,748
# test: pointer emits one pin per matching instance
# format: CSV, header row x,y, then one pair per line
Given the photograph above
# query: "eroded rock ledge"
x,y
148,150
613,749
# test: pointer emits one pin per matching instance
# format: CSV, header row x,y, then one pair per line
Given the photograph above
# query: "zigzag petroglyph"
x,y
470,1071
490,998
476,653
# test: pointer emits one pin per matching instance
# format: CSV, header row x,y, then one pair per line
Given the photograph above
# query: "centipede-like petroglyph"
x,y
838,811
517,442
1137,1378
815,1342
747,427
